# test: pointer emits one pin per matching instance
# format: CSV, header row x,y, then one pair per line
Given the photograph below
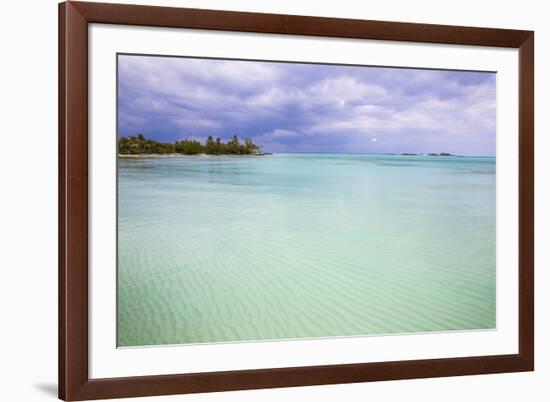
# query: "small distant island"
x,y
429,154
138,145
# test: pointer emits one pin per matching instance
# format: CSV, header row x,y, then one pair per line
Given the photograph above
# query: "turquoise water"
x,y
220,249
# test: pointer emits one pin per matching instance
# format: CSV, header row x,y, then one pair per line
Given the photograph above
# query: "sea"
x,y
303,245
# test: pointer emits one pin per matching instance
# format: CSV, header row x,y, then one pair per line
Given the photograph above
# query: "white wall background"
x,y
28,199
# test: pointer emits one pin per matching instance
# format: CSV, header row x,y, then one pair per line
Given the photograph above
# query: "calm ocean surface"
x,y
218,249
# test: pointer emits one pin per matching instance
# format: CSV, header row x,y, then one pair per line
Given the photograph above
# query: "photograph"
x,y
263,200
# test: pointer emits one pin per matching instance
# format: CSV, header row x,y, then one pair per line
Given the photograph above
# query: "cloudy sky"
x,y
290,107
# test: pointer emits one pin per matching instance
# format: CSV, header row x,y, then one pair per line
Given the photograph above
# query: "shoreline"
x,y
175,155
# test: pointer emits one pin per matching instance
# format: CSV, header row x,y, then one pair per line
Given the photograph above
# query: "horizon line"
x,y
379,153
335,152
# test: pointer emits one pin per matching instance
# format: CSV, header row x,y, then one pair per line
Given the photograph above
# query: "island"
x,y
440,154
138,145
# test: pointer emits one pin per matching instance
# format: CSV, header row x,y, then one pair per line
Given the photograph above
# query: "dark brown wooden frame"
x,y
74,383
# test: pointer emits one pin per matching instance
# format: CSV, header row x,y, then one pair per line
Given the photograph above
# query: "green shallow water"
x,y
220,249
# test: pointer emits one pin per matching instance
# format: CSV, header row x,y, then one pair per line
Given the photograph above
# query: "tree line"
x,y
136,145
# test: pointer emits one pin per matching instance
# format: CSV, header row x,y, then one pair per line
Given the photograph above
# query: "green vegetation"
x,y
139,145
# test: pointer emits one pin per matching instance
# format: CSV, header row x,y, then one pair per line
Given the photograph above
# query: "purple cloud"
x,y
290,107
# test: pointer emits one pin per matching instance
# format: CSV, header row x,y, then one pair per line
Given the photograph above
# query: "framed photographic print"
x,y
259,200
